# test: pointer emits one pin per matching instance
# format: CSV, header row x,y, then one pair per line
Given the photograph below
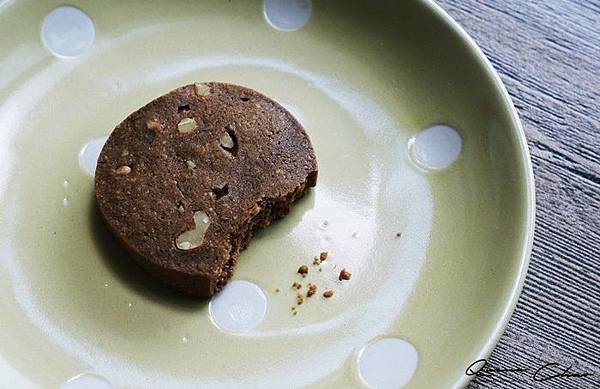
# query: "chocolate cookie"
x,y
184,182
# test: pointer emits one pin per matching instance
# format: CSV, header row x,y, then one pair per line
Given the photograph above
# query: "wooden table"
x,y
548,56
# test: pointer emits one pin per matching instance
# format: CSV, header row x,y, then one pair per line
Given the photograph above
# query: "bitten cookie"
x,y
184,182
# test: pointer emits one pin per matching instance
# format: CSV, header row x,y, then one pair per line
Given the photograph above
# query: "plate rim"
x,y
518,133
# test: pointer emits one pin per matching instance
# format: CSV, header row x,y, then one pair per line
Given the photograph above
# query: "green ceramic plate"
x,y
415,136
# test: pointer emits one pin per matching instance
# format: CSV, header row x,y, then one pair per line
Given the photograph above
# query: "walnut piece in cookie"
x,y
226,140
154,124
193,238
201,89
186,125
123,170
191,165
296,285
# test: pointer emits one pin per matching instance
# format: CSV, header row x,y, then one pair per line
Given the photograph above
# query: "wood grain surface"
x,y
548,56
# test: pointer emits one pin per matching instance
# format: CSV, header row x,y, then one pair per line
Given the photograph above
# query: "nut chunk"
x,y
345,275
193,238
303,270
123,170
312,289
186,125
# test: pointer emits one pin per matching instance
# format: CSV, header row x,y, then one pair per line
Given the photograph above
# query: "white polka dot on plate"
x,y
88,156
387,363
287,15
87,381
436,147
239,307
68,32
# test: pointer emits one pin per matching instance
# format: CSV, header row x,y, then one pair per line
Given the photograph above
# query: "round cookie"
x,y
184,182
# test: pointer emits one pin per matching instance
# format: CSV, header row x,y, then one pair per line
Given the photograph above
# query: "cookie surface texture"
x,y
184,182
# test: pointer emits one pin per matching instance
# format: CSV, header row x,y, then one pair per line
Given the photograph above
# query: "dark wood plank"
x,y
548,55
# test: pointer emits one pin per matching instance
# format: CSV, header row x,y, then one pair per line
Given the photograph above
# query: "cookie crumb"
x,y
296,285
277,290
316,261
323,256
328,293
345,275
299,299
320,269
303,270
398,234
312,289
295,313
